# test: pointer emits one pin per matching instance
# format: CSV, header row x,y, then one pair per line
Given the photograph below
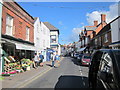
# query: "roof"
x,y
22,9
49,26
35,18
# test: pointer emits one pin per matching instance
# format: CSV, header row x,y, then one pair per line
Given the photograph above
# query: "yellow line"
x,y
29,81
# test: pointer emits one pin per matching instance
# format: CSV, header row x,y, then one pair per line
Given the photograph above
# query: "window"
x,y
53,39
95,41
106,38
100,41
9,25
27,33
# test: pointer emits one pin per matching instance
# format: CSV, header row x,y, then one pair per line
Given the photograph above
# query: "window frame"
x,y
9,25
27,33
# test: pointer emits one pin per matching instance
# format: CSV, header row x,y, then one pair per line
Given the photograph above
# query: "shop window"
x,y
9,25
27,33
53,39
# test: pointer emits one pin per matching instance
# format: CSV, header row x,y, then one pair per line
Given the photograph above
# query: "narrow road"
x,y
69,75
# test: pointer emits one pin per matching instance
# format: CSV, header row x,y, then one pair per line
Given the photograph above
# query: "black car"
x,y
104,69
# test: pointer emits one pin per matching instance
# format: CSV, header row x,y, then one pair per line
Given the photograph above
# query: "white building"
x,y
45,36
41,36
37,35
54,37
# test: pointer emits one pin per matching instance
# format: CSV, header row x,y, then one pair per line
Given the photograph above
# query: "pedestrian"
x,y
57,58
36,60
53,59
41,57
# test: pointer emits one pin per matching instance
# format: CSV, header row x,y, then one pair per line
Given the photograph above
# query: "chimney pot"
x,y
95,23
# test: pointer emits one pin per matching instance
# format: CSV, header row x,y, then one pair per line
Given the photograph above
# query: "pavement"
x,y
19,79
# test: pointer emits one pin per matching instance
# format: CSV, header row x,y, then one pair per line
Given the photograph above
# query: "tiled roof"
x,y
49,26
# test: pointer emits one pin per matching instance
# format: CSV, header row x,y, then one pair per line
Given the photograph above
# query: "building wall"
x,y
115,30
101,43
45,39
19,15
37,36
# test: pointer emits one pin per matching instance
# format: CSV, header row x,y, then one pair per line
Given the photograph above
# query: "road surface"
x,y
69,75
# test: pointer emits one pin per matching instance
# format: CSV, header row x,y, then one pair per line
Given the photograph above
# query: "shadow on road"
x,y
69,81
75,61
49,65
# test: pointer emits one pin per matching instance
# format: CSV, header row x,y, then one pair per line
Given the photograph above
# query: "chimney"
x,y
103,17
95,23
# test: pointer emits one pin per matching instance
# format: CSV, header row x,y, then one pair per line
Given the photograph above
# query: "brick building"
x,y
87,36
17,30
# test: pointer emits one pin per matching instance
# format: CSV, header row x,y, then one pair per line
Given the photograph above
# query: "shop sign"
x,y
24,47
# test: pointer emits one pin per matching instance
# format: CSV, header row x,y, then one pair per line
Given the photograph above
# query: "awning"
x,y
82,49
22,46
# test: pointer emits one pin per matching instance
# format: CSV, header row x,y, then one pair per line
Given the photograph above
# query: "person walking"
x,y
57,58
41,57
36,60
53,59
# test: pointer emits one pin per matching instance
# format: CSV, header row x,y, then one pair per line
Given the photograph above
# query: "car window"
x,y
87,57
117,56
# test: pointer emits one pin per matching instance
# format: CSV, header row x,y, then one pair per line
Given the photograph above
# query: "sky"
x,y
70,17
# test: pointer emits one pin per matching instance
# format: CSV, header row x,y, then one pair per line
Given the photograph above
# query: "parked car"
x,y
76,55
85,60
104,69
79,57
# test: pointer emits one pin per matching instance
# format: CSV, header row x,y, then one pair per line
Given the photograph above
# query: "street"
x,y
69,75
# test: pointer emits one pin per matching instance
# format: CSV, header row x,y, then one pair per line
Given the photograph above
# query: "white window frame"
x,y
9,25
27,33
53,39
106,38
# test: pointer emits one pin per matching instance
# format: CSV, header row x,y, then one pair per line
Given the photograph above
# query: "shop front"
x,y
18,56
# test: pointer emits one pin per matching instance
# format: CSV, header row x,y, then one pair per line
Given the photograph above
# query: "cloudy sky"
x,y
71,17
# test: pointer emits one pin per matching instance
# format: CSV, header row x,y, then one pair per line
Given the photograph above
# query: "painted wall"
x,y
37,36
45,39
115,29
